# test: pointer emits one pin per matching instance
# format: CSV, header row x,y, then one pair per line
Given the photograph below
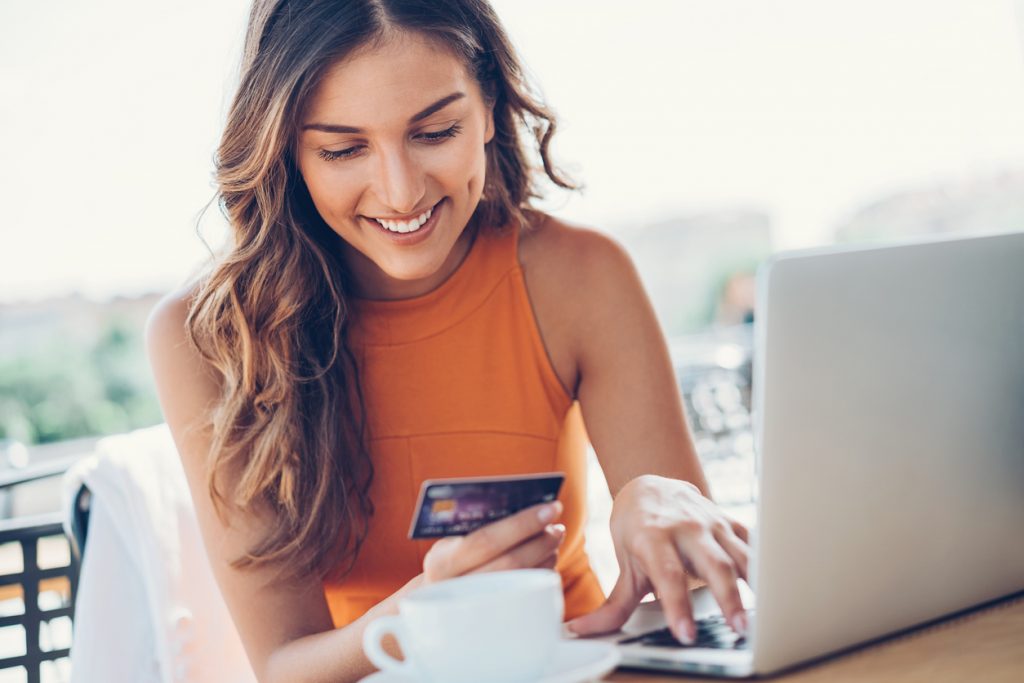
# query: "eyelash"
x,y
430,138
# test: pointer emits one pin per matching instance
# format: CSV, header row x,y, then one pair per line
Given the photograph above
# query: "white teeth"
x,y
400,226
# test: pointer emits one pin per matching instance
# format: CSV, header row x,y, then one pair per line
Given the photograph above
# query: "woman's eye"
x,y
332,155
430,138
441,135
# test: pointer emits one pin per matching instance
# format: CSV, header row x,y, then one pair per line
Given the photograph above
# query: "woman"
x,y
391,310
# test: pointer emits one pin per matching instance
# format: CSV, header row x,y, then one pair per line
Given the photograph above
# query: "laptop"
x,y
889,435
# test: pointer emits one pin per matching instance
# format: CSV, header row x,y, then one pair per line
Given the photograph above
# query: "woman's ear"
x,y
489,130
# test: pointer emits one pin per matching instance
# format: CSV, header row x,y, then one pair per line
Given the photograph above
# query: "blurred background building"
x,y
706,136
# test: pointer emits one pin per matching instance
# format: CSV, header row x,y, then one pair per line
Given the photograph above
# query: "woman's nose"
x,y
400,182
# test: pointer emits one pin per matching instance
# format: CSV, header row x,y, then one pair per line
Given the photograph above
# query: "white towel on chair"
x,y
148,608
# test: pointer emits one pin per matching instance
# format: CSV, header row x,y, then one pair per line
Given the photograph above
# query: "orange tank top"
x,y
457,383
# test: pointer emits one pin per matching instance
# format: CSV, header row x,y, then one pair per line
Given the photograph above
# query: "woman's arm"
x,y
268,613
286,627
627,385
606,345
588,296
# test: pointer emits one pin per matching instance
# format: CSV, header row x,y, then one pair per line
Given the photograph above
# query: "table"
x,y
986,644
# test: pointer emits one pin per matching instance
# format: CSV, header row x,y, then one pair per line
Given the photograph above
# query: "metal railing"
x,y
36,596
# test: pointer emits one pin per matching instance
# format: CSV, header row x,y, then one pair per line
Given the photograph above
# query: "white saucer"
x,y
575,661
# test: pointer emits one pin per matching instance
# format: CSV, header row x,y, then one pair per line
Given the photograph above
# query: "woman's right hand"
x,y
528,539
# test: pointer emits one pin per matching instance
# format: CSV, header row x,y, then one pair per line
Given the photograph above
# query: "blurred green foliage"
x,y
63,390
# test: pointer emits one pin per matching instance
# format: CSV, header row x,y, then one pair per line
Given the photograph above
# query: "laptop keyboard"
x,y
712,632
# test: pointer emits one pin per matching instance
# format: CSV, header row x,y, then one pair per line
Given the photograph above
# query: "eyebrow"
x,y
435,107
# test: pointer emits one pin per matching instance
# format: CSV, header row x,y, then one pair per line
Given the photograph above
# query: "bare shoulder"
x,y
185,383
576,278
581,272
575,255
165,326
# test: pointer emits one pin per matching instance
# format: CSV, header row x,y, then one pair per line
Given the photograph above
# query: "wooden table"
x,y
986,645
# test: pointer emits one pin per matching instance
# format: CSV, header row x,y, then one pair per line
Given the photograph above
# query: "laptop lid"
x,y
889,413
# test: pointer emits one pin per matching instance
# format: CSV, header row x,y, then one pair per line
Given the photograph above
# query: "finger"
x,y
610,616
741,531
464,554
549,563
716,567
441,561
737,549
531,553
659,559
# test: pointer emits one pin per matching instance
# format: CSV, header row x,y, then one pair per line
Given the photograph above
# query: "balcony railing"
x,y
39,568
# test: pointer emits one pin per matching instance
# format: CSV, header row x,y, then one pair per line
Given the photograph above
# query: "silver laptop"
x,y
889,423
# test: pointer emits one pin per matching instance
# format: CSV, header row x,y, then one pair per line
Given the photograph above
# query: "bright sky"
x,y
111,110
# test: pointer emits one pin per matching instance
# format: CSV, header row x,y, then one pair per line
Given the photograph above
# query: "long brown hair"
x,y
272,314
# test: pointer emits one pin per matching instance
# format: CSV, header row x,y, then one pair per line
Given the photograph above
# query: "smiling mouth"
x,y
404,227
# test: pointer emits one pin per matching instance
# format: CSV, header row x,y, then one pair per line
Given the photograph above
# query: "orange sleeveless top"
x,y
457,383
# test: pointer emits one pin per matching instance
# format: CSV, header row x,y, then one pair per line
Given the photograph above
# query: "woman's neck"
x,y
369,281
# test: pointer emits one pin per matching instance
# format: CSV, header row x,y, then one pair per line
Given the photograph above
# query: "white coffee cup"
x,y
498,627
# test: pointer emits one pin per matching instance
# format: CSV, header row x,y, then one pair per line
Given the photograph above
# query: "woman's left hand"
x,y
664,531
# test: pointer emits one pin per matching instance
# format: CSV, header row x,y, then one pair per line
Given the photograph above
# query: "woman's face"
x,y
391,148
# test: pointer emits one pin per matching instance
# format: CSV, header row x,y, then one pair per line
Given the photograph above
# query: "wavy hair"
x,y
271,315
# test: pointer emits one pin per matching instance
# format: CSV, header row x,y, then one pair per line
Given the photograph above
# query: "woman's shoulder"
x,y
166,322
578,280
185,382
572,259
173,356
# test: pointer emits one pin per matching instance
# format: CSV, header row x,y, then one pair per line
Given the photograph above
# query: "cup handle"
x,y
372,636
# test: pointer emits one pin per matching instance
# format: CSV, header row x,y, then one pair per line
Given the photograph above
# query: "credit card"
x,y
454,507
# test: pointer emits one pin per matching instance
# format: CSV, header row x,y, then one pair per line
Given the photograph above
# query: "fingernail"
x,y
686,632
557,529
571,625
739,623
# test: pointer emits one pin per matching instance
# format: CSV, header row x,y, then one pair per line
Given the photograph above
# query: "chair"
x,y
147,607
